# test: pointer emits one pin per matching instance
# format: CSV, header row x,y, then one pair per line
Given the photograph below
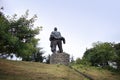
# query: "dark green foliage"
x,y
117,50
38,56
78,61
100,54
82,61
48,59
4,34
17,36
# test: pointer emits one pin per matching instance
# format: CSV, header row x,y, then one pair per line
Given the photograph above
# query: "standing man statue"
x,y
56,40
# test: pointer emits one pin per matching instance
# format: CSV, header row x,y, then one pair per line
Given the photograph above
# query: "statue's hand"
x,y
64,42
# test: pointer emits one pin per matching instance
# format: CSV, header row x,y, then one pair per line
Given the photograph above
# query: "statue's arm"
x,y
63,39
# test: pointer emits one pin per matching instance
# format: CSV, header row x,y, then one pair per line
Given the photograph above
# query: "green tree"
x,y
17,35
78,61
100,54
38,55
82,61
117,50
4,35
48,59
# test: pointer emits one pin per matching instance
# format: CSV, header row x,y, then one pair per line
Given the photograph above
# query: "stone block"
x,y
60,58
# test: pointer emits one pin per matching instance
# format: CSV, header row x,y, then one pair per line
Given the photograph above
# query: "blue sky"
x,y
81,22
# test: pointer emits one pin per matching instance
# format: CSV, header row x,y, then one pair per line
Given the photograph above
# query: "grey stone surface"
x,y
60,58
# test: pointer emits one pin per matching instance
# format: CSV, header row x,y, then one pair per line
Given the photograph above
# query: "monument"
x,y
58,57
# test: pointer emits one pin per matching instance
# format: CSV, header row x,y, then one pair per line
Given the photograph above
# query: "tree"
x,y
4,35
48,59
17,35
83,61
38,55
100,54
78,61
72,61
117,50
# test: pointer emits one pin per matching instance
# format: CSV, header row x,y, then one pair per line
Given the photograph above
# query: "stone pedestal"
x,y
60,58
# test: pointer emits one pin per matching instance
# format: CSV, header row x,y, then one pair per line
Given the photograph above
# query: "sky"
x,y
81,22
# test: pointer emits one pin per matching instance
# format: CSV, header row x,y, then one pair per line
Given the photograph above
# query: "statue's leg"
x,y
53,48
51,45
60,46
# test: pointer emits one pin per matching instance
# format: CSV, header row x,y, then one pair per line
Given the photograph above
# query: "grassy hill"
x,y
97,73
21,70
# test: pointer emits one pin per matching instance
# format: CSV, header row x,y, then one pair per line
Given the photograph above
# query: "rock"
x,y
60,58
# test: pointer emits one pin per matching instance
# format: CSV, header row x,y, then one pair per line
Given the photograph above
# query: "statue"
x,y
56,40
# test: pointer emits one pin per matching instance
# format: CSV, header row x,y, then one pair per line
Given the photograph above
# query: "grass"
x,y
20,70
97,73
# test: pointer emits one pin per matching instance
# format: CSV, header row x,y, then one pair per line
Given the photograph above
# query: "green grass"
x,y
20,70
97,73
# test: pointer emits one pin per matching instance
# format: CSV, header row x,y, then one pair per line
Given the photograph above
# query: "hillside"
x,y
97,73
20,70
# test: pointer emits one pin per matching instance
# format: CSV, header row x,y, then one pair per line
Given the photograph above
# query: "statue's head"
x,y
55,29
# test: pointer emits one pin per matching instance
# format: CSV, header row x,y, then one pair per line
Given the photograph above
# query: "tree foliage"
x,y
117,50
48,59
4,34
17,35
101,53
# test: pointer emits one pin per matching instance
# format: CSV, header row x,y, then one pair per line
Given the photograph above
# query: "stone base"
x,y
60,58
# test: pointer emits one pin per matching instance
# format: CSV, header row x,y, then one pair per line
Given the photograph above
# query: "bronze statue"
x,y
56,40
